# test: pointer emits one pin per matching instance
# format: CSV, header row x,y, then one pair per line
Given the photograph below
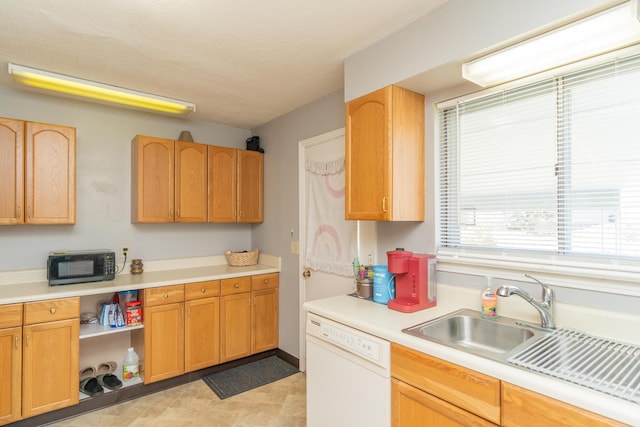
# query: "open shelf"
x,y
125,384
95,330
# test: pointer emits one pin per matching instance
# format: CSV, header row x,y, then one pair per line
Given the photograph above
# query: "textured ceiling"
x,y
243,62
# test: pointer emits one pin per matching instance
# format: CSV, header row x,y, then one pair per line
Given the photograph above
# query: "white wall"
x,y
280,139
103,176
459,29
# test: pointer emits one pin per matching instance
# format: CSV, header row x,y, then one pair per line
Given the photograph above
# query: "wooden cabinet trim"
x,y
412,407
467,389
197,290
264,281
10,315
51,310
163,295
236,285
523,408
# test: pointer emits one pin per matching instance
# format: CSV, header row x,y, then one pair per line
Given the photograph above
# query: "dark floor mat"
x,y
246,377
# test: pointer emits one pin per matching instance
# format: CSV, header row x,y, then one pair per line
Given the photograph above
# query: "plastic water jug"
x,y
130,365
383,284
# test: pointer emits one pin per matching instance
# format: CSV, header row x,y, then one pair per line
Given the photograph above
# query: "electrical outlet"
x,y
124,251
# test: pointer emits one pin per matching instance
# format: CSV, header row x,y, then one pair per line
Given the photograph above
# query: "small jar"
x,y
136,266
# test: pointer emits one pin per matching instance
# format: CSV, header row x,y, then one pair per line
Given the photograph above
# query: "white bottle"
x,y
130,365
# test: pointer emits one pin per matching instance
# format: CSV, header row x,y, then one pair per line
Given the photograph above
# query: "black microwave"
x,y
64,268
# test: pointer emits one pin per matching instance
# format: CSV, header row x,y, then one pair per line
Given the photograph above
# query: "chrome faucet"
x,y
544,307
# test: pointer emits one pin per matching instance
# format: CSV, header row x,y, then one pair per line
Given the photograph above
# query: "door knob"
x,y
306,274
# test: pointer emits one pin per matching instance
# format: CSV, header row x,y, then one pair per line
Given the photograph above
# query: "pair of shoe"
x,y
93,381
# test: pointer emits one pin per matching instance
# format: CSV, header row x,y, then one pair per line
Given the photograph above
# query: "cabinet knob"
x,y
266,281
18,211
166,296
52,310
202,290
237,286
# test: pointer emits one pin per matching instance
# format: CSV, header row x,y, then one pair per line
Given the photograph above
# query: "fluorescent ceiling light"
x,y
611,29
98,91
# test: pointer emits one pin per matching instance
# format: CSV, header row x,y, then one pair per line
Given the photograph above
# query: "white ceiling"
x,y
243,62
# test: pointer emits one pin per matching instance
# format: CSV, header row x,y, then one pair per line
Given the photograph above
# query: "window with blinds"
x,y
549,168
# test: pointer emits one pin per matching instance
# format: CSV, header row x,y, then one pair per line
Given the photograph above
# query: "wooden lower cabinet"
x,y
248,316
10,362
50,355
235,320
202,325
412,407
163,342
524,408
469,390
264,312
427,391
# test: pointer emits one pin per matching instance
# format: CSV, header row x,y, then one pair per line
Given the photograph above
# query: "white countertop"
x,y
19,287
378,320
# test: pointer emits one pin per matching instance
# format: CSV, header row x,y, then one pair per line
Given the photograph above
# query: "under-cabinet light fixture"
x,y
98,91
608,30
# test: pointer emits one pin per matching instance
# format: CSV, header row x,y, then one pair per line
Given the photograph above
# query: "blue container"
x,y
383,284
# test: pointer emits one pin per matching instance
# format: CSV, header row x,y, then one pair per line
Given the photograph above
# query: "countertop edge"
x,y
38,291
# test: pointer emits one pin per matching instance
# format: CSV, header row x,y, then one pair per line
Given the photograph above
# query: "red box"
x,y
133,313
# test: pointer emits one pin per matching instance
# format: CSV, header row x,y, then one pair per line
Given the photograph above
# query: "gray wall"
x,y
103,176
280,139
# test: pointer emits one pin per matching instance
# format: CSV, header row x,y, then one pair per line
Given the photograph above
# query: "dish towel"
x,y
331,240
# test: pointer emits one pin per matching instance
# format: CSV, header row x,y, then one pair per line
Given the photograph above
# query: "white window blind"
x,y
547,169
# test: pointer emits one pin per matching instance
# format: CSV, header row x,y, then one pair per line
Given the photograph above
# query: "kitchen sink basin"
x,y
466,330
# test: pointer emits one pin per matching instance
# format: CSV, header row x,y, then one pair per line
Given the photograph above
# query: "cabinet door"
x,y
50,367
152,176
10,374
368,157
50,174
191,182
522,407
11,171
250,186
235,326
222,184
411,407
202,333
163,342
462,387
264,320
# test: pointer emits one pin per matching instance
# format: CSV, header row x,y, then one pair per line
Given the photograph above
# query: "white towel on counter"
x,y
331,240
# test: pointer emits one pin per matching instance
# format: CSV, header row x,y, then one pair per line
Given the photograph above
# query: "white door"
x,y
325,148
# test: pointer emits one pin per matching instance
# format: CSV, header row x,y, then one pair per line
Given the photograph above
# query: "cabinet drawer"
x,y
236,285
163,295
10,315
467,389
51,310
197,290
522,407
264,281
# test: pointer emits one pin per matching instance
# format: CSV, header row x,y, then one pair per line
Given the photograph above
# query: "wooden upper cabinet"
x,y
152,179
235,185
385,156
37,173
250,186
222,184
191,182
11,171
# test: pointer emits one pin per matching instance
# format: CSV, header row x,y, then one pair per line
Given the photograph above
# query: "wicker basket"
x,y
242,259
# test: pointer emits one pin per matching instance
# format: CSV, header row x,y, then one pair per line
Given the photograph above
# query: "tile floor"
x,y
279,404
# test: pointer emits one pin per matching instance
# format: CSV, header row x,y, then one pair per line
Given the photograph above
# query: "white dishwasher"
x,y
348,376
